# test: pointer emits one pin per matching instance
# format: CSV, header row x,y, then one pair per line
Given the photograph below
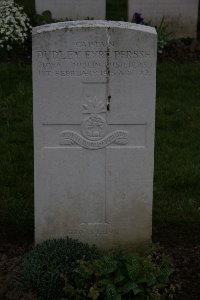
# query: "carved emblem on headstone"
x,y
94,129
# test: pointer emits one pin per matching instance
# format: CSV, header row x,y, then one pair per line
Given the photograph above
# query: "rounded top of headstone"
x,y
93,24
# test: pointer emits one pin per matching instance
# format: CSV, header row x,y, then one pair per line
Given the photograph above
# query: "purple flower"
x,y
137,18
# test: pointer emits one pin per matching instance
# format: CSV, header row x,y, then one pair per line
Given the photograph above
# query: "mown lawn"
x,y
16,149
177,155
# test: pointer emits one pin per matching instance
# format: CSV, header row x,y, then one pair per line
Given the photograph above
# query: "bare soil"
x,y
181,50
11,252
184,248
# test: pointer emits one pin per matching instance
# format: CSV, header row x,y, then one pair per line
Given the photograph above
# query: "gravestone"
x,y
94,85
180,15
73,9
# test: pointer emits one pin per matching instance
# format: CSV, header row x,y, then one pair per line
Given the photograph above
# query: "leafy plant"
x,y
46,18
40,269
164,35
119,275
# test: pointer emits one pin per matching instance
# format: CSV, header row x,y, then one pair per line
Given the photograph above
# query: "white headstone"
x,y
179,15
73,9
94,85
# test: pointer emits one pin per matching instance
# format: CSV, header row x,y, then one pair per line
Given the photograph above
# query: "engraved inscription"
x,y
118,137
86,54
89,58
94,229
98,228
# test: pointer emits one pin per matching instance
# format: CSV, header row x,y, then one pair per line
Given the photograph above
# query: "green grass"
x,y
177,155
16,149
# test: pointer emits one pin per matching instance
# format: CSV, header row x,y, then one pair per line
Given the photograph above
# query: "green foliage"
x,y
120,275
44,18
162,31
163,35
29,7
40,270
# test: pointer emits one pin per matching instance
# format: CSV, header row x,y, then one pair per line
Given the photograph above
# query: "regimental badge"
x,y
94,127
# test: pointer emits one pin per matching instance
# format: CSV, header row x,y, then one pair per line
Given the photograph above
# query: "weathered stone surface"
x,y
180,15
94,85
73,9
